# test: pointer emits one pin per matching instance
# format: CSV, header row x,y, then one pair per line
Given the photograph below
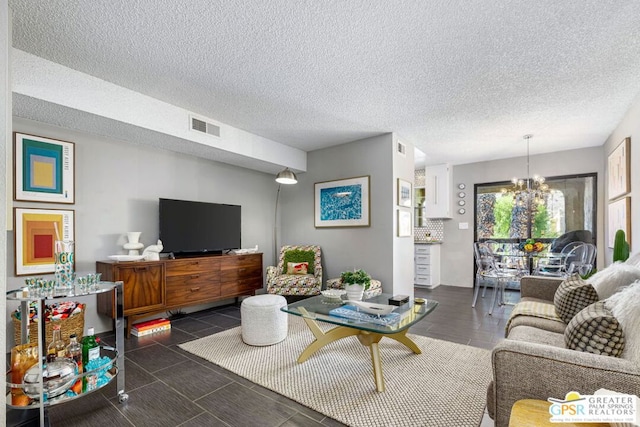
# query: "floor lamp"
x,y
286,177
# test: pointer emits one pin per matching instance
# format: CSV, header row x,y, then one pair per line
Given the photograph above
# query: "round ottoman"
x,y
262,321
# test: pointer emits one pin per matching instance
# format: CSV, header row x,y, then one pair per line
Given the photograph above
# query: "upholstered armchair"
x,y
281,283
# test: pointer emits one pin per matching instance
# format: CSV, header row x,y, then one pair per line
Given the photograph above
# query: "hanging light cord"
x,y
275,229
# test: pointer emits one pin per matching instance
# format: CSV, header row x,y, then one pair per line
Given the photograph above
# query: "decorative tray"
x,y
333,293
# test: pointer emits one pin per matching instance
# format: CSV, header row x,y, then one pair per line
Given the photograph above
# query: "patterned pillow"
x,y
595,330
296,255
297,268
573,295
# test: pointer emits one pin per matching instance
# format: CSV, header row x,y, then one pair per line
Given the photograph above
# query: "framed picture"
x,y
619,163
44,169
36,230
619,219
404,193
342,203
404,223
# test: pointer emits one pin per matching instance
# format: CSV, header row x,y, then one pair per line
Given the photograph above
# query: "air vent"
x,y
204,127
402,149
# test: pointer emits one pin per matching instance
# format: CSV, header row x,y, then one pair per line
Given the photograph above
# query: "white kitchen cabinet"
x,y
427,265
438,190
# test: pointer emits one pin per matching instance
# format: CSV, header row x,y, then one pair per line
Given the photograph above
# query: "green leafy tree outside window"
x,y
503,211
541,223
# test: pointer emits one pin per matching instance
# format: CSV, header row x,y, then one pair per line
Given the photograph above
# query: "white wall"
x,y
117,189
457,249
5,138
628,127
85,103
403,248
345,248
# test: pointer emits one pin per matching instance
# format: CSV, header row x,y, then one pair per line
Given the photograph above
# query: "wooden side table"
x,y
535,413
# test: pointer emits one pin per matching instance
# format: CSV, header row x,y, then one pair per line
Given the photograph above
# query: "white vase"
x,y
133,245
354,292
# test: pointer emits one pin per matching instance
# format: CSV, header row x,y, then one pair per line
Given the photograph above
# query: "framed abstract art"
x,y
36,230
44,169
619,167
619,218
342,203
404,223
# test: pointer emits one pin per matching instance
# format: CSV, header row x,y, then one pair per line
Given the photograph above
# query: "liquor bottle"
x,y
90,351
57,347
74,351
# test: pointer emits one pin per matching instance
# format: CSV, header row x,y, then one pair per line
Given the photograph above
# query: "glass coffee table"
x,y
369,329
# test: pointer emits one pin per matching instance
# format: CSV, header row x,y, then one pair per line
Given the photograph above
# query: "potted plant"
x,y
355,283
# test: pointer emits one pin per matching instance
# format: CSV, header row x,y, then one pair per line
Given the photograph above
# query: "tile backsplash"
x,y
419,178
433,227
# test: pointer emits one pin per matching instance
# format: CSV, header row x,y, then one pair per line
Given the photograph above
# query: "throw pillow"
x,y
297,267
573,295
613,278
624,306
297,255
634,260
595,330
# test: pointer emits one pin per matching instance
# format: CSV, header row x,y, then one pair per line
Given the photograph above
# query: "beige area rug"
x,y
444,386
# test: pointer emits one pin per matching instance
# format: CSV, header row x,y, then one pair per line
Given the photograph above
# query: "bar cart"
x,y
113,371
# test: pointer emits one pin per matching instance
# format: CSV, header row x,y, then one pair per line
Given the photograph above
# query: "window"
x,y
570,204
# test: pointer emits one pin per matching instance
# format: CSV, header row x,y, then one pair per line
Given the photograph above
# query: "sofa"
x,y
533,362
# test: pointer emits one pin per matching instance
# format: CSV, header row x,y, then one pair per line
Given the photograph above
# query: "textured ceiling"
x,y
461,80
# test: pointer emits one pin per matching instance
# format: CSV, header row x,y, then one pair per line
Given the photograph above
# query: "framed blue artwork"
x,y
44,169
404,193
342,203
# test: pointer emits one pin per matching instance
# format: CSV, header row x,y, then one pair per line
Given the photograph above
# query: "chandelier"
x,y
531,190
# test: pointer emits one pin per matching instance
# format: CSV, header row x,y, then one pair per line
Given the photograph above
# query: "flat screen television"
x,y
192,228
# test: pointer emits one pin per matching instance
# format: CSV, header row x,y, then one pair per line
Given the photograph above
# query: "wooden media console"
x,y
152,287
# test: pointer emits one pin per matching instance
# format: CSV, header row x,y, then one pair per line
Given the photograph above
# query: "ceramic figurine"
x,y
152,253
133,245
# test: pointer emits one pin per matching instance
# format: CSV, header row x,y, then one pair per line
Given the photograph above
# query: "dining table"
x,y
528,261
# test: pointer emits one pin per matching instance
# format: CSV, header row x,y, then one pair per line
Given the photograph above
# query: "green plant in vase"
x,y
356,277
355,283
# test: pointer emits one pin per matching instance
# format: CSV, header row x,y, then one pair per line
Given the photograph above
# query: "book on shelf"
x,y
149,331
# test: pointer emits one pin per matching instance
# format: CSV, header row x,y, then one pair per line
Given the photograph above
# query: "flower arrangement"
x,y
359,277
530,245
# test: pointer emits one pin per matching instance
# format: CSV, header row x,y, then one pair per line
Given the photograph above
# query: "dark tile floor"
x,y
170,387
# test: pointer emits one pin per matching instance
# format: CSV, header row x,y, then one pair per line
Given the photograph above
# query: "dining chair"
x,y
487,269
504,255
586,264
584,236
572,258
514,260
